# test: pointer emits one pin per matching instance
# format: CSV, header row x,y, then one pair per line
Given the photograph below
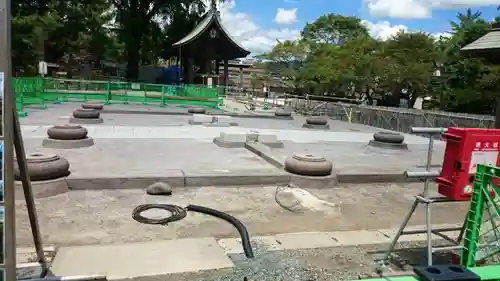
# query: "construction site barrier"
x,y
40,91
485,273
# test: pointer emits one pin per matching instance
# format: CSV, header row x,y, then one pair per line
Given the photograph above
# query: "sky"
x,y
259,24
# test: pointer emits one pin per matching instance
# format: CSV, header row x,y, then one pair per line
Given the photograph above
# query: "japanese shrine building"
x,y
207,46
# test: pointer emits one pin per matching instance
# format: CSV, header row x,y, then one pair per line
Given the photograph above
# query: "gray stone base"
x,y
315,182
266,153
384,177
227,144
221,124
74,120
237,144
67,144
277,144
192,122
183,178
401,146
43,189
319,127
283,117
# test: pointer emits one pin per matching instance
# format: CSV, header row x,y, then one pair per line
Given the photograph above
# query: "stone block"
x,y
224,121
143,260
252,137
74,120
318,127
267,138
43,189
233,137
230,140
67,144
201,119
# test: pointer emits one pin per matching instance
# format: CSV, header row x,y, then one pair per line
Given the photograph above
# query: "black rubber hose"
x,y
245,239
177,213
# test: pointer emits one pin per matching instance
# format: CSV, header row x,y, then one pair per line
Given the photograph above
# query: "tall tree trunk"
x,y
133,58
133,37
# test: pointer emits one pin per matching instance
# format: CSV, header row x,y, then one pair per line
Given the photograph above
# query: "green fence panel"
x,y
77,90
37,90
28,91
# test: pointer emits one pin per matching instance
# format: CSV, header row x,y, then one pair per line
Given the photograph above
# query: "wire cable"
x,y
177,213
281,188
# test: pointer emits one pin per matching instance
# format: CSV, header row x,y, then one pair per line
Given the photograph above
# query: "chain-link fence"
x,y
396,119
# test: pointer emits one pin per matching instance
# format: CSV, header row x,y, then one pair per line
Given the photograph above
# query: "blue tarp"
x,y
171,74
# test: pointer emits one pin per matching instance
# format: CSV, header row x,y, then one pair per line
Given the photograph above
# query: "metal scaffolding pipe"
x,y
73,278
423,174
428,130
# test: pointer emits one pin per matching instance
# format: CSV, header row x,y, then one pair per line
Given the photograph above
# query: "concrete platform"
x,y
353,159
155,116
153,158
204,133
124,262
180,178
158,149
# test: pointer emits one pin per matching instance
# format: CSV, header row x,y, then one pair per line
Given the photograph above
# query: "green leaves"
x,y
333,29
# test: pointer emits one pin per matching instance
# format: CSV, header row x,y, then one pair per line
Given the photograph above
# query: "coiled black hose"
x,y
178,213
245,238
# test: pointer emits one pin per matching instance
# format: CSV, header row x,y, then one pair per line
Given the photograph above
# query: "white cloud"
x,y
249,34
419,8
284,16
257,39
441,34
383,29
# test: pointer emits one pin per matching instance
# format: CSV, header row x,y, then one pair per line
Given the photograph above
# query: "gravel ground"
x,y
339,263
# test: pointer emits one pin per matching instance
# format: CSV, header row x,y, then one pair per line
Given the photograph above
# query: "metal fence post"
x,y
9,106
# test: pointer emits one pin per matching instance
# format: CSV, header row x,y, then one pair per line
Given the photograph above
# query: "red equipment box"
x,y
465,148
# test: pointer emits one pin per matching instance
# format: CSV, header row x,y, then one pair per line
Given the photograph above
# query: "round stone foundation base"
x,y
330,181
74,120
401,146
319,127
43,189
68,144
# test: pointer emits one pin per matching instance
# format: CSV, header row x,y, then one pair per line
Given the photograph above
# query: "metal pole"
x,y
427,202
400,232
73,278
8,145
428,130
28,192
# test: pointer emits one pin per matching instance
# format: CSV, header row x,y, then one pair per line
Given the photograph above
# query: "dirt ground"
x,y
102,217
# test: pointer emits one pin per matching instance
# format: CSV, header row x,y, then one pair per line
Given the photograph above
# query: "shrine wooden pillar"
x,y
226,73
189,71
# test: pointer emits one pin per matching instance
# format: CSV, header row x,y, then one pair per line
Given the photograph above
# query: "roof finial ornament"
x,y
213,5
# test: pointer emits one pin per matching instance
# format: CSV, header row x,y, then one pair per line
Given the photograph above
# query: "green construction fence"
x,y
40,91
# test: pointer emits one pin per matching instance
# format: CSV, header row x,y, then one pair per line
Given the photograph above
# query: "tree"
x,y
139,19
408,65
463,71
342,70
285,59
318,74
333,29
51,30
